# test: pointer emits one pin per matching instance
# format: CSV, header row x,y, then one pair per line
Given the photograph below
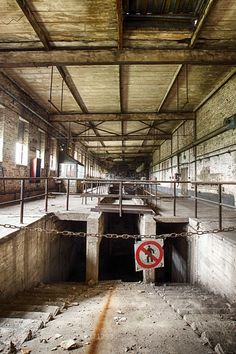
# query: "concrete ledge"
x,y
72,216
172,219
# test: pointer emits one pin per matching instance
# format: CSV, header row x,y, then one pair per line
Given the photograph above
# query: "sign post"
x,y
149,254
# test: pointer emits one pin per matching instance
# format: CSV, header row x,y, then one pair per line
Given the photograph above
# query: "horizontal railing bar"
x,y
213,202
114,181
25,198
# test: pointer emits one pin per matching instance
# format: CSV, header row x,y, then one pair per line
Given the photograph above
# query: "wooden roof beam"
x,y
107,117
60,57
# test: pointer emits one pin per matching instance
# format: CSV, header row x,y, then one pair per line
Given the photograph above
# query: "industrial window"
x,y
22,143
53,154
40,151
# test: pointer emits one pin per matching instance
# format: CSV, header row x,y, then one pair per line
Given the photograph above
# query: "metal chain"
x,y
116,236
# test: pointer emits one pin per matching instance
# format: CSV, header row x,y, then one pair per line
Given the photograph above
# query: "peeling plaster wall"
x,y
214,269
215,158
27,258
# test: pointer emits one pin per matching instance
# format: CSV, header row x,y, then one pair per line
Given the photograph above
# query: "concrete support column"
x,y
94,225
148,227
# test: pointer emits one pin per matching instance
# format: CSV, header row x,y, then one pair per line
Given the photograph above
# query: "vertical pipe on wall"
x,y
220,206
22,189
195,200
67,194
195,150
120,198
174,206
46,195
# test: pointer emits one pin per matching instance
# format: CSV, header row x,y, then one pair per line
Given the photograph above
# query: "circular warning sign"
x,y
149,254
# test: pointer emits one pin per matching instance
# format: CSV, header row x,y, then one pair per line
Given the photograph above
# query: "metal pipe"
x,y
46,195
120,197
67,194
220,206
174,201
195,201
22,188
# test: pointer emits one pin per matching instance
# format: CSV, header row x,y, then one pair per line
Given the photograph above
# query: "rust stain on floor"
x,y
99,326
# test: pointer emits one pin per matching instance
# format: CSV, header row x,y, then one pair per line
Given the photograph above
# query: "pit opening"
x,y
176,255
75,248
116,256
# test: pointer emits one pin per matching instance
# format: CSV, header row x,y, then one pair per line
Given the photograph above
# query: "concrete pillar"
x,y
148,227
94,225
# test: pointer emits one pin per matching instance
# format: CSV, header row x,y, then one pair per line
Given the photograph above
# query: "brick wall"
x,y
9,120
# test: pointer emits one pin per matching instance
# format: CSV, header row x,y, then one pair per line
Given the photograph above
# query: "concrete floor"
x,y
118,318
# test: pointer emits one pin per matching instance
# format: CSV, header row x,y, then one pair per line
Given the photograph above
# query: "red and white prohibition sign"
x,y
149,254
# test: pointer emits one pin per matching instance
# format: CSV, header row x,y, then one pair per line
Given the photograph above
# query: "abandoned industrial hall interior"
x,y
118,176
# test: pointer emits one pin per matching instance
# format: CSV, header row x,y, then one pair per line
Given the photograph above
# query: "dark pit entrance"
x,y
75,249
116,256
175,253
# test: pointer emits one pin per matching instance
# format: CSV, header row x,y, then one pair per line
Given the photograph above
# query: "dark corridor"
x,y
175,254
116,258
76,250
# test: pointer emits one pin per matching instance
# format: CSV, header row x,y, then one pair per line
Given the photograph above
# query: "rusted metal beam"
x,y
115,148
63,57
93,117
124,137
119,154
27,9
169,88
201,22
119,24
73,89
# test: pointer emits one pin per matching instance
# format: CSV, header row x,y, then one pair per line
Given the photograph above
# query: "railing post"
x,y
156,194
85,199
120,198
67,195
174,206
22,188
195,200
220,206
46,195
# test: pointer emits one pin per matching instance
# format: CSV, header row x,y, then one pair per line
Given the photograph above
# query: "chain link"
x,y
67,233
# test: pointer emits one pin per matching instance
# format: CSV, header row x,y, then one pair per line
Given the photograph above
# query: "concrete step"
x,y
52,310
209,315
17,331
202,310
214,329
40,316
56,290
38,301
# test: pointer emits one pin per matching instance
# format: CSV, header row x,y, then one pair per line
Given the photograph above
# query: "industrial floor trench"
x,y
116,317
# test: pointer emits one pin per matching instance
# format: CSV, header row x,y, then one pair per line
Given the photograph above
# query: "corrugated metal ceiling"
x,y
162,12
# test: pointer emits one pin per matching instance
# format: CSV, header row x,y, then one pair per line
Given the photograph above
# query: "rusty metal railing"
x,y
118,189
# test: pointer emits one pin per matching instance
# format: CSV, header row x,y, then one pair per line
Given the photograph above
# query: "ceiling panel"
x,y
82,23
194,83
98,86
42,85
146,85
